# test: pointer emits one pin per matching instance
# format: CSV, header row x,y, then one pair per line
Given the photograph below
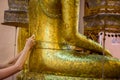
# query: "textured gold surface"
x,y
53,53
39,76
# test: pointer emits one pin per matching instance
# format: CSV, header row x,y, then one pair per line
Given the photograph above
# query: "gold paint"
x,y
54,36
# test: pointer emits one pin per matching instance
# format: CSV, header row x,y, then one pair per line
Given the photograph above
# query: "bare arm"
x,y
8,71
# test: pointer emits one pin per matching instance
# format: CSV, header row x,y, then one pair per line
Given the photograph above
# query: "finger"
x,y
33,36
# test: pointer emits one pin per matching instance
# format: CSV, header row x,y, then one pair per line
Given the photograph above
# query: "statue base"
x,y
40,76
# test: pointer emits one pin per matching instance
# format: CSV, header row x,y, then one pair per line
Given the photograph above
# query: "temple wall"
x,y
112,43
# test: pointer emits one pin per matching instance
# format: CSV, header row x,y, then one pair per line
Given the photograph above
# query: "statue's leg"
x,y
70,28
68,63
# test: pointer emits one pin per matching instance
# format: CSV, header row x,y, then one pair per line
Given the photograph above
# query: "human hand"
x,y
30,42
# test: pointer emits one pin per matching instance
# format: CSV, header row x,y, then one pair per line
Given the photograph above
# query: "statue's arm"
x,y
8,71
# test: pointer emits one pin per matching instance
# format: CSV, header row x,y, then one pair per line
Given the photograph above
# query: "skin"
x,y
16,64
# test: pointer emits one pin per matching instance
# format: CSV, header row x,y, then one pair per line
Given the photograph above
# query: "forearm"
x,y
3,65
6,72
13,60
21,60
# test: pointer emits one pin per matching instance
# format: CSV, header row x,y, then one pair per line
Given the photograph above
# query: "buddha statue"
x,y
60,49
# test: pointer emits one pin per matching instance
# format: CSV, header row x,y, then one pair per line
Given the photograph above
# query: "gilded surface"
x,y
57,35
